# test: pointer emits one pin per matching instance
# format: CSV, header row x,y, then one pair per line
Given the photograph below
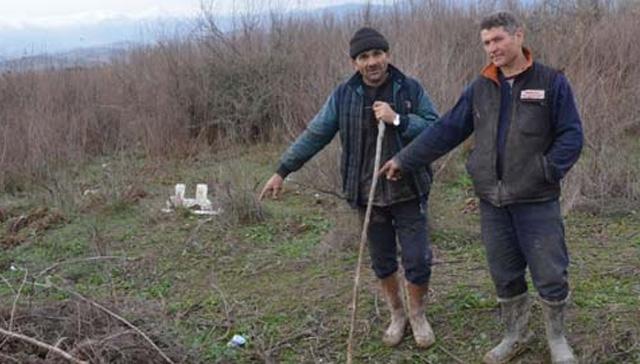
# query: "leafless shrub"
x,y
265,80
235,191
85,333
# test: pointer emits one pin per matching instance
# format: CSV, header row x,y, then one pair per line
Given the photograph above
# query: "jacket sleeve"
x,y
318,133
567,128
452,129
423,116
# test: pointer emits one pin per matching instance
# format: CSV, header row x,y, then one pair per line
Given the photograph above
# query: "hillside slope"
x,y
279,274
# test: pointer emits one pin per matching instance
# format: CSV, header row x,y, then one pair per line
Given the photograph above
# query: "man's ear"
x,y
519,34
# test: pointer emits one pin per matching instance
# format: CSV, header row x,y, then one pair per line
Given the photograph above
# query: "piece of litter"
x,y
91,191
237,341
201,205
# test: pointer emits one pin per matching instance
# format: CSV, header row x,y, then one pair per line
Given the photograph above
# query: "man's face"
x,y
372,65
501,47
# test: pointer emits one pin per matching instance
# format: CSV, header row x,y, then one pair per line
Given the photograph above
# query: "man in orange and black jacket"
x,y
528,134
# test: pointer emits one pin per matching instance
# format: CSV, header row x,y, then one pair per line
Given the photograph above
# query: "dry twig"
x,y
33,341
443,165
8,284
458,360
117,317
89,259
16,298
2,356
15,302
227,310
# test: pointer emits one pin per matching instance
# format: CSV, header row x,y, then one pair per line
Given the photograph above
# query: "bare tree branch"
x,y
117,317
49,269
16,298
33,341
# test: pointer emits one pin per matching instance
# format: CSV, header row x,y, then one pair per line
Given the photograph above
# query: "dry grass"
x,y
84,332
265,80
284,283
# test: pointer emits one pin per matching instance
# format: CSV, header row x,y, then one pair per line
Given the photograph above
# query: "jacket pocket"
x,y
533,118
549,174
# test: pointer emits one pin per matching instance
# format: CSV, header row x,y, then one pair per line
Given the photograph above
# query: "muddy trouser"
x,y
521,235
406,221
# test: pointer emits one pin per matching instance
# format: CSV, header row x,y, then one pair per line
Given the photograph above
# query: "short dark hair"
x,y
504,19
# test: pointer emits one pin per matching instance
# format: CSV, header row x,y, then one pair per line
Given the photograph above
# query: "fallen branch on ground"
x,y
8,284
33,341
15,300
458,360
15,304
114,315
90,259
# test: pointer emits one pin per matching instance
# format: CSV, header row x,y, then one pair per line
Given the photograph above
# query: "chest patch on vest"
x,y
531,95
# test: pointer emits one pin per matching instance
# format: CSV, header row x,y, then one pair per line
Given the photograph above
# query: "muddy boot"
x,y
554,312
391,290
422,332
515,318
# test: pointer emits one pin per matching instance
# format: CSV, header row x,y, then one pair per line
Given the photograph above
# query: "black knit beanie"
x,y
365,39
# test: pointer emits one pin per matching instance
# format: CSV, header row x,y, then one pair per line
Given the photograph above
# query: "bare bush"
x,y
265,80
84,332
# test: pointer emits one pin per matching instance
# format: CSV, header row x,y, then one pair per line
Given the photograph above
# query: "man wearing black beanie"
x,y
378,92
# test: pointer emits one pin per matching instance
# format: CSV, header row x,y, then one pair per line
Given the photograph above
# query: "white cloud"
x,y
47,14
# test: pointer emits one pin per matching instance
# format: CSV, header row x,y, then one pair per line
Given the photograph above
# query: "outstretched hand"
x,y
391,170
273,187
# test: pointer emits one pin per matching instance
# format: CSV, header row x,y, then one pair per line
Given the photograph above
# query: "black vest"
x,y
526,176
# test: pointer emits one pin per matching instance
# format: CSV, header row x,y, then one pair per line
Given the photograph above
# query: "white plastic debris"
x,y
201,196
200,205
237,341
90,192
179,196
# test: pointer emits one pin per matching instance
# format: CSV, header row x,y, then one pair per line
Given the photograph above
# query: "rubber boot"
x,y
422,332
391,290
554,313
515,318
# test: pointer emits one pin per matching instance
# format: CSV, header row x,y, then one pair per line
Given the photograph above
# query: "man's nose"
x,y
372,61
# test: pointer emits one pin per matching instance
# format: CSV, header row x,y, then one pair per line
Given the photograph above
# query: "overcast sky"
x,y
52,13
31,27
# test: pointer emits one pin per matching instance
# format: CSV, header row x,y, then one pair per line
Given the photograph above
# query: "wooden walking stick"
x,y
363,239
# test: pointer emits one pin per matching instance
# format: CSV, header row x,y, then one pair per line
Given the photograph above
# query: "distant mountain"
x,y
85,45
79,57
31,40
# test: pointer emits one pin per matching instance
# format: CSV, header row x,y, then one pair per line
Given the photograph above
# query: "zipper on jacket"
x,y
512,120
506,139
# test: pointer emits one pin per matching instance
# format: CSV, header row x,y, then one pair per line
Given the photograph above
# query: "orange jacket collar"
x,y
490,71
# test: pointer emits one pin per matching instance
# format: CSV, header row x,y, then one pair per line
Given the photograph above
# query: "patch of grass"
x,y
284,281
306,234
606,291
465,297
453,239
